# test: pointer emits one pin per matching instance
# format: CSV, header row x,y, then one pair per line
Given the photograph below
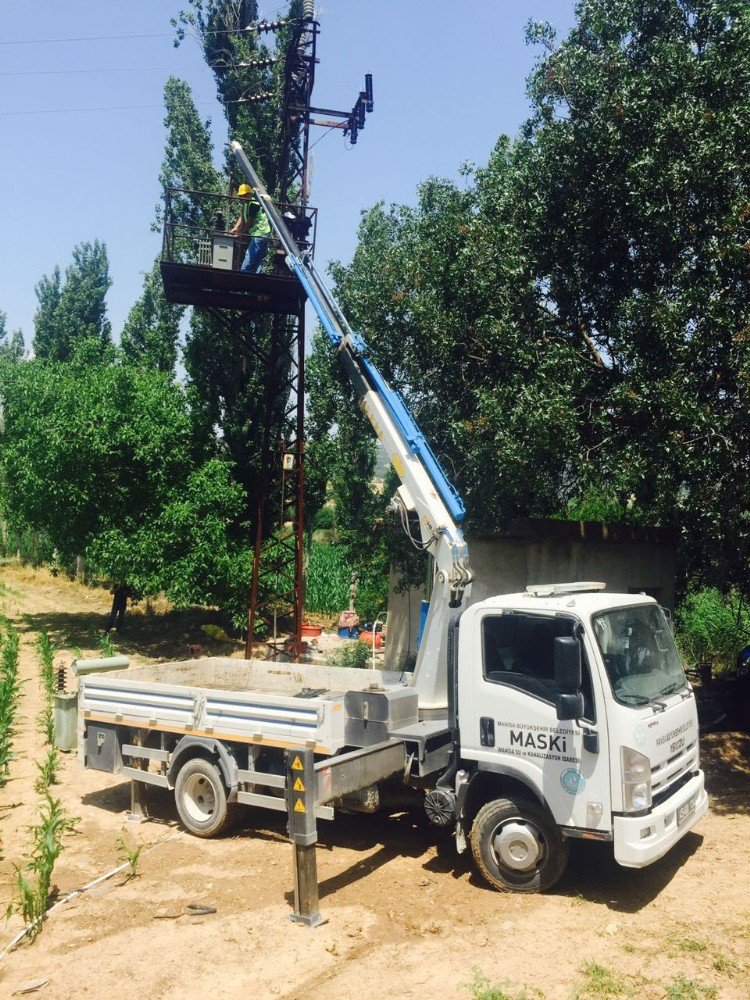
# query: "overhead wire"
x,y
61,72
116,38
68,111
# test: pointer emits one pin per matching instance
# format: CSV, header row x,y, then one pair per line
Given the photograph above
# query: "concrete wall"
x,y
628,559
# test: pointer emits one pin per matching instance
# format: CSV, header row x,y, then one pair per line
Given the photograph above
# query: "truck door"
x,y
510,724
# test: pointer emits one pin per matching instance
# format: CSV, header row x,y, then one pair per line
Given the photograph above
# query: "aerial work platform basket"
x,y
201,259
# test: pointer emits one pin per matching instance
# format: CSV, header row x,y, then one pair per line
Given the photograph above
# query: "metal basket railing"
x,y
197,231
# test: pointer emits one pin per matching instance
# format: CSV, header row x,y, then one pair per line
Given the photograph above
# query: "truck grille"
x,y
671,774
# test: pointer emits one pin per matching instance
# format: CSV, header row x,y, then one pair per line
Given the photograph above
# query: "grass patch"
x,y
599,981
688,989
482,989
689,944
726,965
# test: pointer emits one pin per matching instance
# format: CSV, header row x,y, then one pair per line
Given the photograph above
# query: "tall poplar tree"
x,y
229,380
74,312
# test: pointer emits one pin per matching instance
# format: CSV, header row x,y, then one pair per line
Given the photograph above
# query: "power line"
x,y
87,38
58,72
260,27
68,111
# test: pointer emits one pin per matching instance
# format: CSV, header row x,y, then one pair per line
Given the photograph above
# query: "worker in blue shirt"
x,y
252,221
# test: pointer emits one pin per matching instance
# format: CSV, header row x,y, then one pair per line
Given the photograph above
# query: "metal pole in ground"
x,y
301,793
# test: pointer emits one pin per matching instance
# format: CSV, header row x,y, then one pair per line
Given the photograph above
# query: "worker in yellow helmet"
x,y
253,221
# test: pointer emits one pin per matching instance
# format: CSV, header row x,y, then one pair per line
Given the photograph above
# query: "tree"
x,y
74,312
231,382
636,175
13,349
101,458
571,327
152,329
48,292
88,445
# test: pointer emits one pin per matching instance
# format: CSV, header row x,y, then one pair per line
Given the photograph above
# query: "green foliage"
x,y
599,981
596,505
34,879
352,654
329,574
85,446
19,540
12,349
46,721
324,520
47,771
10,687
482,989
129,855
712,627
634,173
688,989
570,325
46,654
73,313
106,646
149,337
183,548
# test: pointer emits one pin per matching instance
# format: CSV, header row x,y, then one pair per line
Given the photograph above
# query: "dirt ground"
x,y
406,916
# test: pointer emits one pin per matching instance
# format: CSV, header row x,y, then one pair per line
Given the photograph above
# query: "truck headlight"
x,y
636,780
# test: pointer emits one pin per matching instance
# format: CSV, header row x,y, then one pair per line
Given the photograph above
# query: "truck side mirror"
x,y
569,706
567,663
568,678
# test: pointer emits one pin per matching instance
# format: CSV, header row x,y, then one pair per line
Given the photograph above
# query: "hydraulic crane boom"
x,y
425,491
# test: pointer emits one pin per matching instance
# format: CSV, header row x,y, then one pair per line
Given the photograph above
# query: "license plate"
x,y
685,811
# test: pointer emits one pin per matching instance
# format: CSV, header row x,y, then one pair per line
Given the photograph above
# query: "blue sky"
x,y
448,79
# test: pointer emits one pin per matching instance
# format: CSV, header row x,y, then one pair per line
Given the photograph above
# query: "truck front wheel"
x,y
201,798
516,846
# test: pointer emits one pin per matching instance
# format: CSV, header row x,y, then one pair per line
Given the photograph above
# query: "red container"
x,y
308,631
367,637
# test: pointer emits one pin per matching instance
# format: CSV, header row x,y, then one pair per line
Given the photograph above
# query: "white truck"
x,y
530,718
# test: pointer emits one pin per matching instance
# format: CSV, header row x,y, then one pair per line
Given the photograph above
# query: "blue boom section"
x,y
392,400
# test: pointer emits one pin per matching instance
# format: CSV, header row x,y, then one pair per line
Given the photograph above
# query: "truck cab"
x,y
574,703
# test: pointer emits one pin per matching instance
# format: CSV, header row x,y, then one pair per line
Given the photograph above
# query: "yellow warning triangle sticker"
x,y
298,786
297,765
299,806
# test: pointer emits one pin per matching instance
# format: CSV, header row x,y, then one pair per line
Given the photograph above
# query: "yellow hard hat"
x,y
244,189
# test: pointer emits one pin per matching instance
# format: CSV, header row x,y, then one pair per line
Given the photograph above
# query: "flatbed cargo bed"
x,y
249,701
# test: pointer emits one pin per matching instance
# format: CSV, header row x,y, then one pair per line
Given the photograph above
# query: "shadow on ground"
x,y
166,636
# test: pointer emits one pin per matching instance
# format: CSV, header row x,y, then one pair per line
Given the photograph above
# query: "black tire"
x,y
533,826
201,799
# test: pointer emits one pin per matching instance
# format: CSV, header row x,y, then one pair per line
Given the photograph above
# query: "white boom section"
x,y
426,490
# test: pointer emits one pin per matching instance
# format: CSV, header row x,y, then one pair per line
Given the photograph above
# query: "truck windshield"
x,y
639,653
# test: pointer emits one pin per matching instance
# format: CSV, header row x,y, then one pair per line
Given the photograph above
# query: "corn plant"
x,y
106,645
34,880
10,687
46,654
329,575
47,771
129,855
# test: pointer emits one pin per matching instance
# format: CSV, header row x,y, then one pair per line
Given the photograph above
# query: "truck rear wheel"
x,y
517,847
201,799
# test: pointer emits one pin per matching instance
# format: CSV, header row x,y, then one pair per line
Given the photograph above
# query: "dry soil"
x,y
406,916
